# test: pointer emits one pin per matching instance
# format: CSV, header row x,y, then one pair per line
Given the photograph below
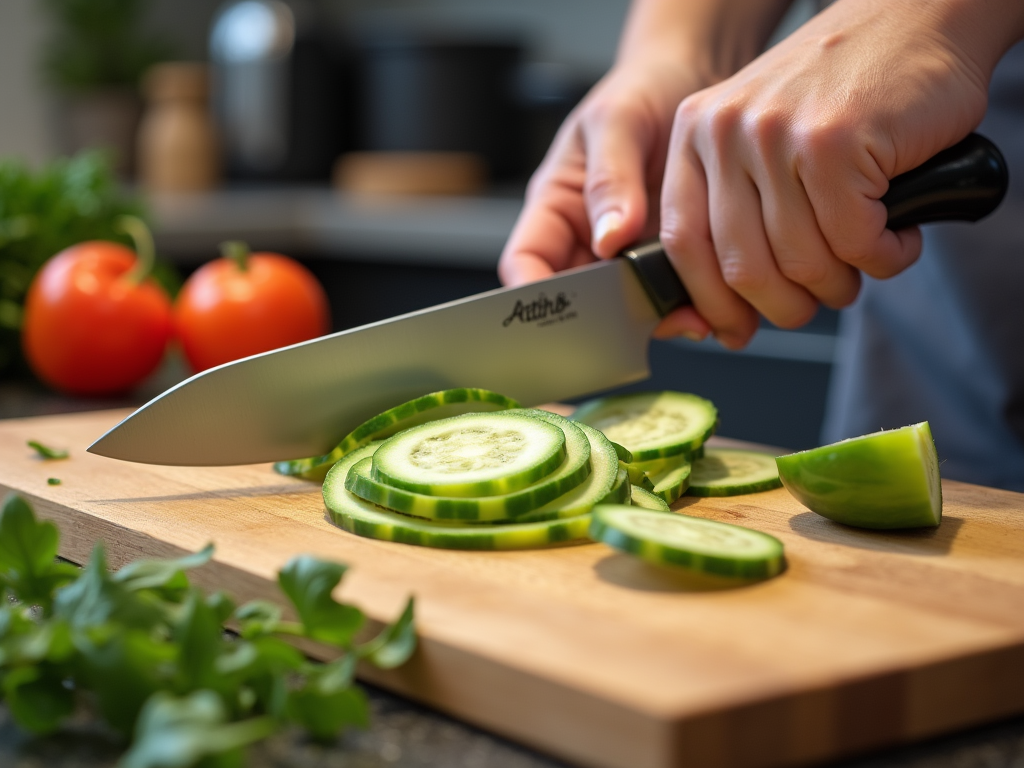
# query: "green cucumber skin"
x,y
672,482
349,512
624,454
388,461
590,410
656,554
485,509
390,421
730,486
604,474
479,538
643,498
637,476
620,492
871,483
490,509
705,492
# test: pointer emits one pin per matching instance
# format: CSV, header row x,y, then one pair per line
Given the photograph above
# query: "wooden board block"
x,y
867,640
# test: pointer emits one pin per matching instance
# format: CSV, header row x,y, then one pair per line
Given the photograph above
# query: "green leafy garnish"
x,y
46,452
148,650
53,481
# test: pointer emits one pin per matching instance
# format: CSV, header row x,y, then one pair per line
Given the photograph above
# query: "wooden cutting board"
x,y
867,640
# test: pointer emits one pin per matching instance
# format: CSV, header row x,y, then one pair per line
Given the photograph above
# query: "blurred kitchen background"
x,y
384,143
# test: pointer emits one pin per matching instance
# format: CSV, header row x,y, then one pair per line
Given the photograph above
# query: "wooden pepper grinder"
x,y
178,150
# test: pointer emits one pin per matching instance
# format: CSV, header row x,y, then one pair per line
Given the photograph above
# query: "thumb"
x,y
615,192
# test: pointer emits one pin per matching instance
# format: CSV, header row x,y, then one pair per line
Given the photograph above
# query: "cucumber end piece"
x,y
885,480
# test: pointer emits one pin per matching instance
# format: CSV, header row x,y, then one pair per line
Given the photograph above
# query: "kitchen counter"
x,y
407,735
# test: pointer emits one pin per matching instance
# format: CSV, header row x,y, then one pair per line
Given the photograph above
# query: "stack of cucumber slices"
x,y
664,434
494,476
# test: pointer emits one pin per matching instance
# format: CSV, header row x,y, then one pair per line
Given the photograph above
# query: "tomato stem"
x,y
238,251
145,251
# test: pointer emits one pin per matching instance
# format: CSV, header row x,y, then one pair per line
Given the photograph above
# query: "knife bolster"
x,y
658,277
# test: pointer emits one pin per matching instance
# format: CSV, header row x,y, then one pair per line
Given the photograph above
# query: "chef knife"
x,y
578,332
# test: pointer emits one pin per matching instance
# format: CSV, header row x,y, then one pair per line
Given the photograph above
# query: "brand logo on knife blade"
x,y
543,311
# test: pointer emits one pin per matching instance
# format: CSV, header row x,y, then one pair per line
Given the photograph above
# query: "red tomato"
x,y
90,330
235,307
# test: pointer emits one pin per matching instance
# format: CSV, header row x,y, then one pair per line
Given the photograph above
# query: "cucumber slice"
x,y
436,405
573,471
377,523
690,542
623,453
652,425
604,472
636,475
883,480
672,481
362,518
641,497
732,472
476,454
619,494
647,473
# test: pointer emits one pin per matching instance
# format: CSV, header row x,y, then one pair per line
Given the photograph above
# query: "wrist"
x,y
981,31
711,38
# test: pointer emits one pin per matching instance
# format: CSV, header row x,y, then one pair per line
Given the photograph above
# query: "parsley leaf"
x,y
27,552
46,452
308,583
395,644
149,650
179,732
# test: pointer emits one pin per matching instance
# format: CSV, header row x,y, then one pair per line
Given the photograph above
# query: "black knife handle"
x,y
963,183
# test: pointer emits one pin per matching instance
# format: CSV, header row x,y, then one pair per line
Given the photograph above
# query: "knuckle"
x,y
795,315
688,110
856,254
807,272
881,269
676,238
723,122
602,183
738,332
767,128
740,275
825,137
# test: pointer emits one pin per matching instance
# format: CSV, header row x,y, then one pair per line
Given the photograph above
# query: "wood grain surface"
x,y
867,640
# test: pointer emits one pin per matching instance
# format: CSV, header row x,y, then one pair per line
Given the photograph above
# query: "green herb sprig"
x,y
147,648
47,452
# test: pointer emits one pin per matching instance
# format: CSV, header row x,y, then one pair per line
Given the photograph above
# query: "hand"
x,y
596,191
771,199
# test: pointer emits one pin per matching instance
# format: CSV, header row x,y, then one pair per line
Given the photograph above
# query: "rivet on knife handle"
x,y
963,183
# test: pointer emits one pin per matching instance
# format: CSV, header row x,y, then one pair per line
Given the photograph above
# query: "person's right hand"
x,y
772,197
597,190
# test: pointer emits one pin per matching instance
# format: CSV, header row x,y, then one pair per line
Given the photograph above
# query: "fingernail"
x,y
606,224
693,336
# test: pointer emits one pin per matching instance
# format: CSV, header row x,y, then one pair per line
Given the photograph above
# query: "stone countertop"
x,y
404,734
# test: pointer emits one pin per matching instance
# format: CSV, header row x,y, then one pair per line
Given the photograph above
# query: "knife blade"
x,y
580,331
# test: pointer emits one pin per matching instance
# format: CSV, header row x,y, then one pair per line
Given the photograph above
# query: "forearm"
x,y
715,36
